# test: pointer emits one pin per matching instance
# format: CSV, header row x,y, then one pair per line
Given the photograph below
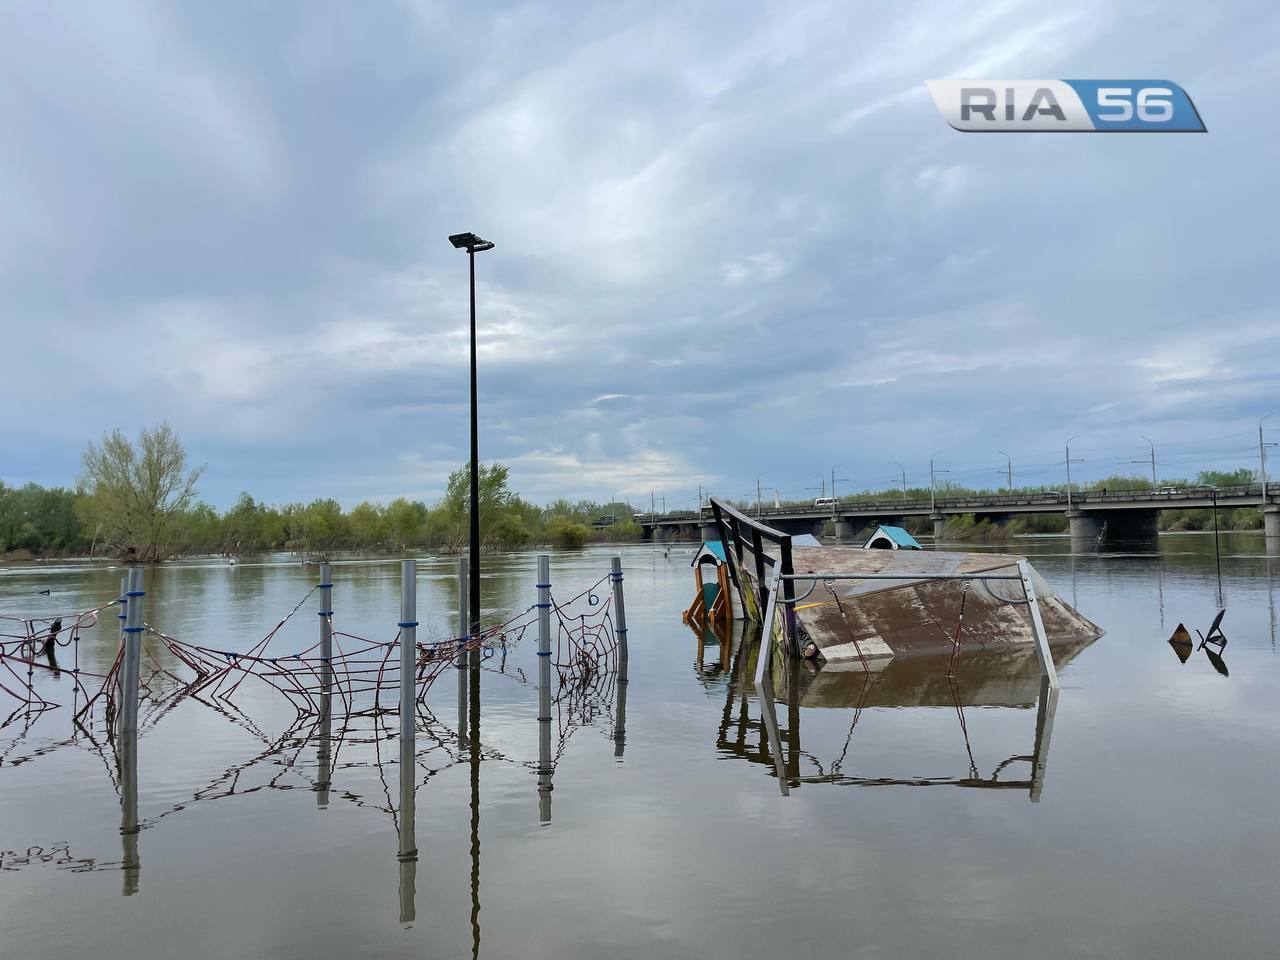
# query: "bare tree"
x,y
137,494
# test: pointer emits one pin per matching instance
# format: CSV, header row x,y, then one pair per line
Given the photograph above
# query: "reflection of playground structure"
x,y
1002,679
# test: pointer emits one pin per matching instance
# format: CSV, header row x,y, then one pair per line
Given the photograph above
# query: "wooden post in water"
x,y
544,688
408,648
620,611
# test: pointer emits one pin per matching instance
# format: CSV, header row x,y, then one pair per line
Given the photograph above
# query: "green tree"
x,y
136,495
368,525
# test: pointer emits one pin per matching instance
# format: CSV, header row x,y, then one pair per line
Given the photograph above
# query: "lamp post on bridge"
x,y
932,484
1153,460
1262,457
473,245
904,478
1069,462
1008,471
835,500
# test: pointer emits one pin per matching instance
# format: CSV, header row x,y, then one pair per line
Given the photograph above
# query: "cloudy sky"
x,y
734,240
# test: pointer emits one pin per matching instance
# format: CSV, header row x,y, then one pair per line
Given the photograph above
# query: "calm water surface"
x,y
1154,833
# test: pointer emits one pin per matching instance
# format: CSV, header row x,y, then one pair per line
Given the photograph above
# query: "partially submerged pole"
x,y
544,688
326,614
620,611
131,672
408,648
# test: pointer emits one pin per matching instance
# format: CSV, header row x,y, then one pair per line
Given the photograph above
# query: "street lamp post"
x,y
1262,457
904,479
473,245
835,499
1153,460
1069,462
932,484
1009,471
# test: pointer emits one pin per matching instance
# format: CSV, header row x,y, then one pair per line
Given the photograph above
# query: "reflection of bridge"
x,y
1094,516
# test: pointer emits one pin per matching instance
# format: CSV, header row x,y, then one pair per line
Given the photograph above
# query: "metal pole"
x,y
1217,554
474,623
1008,470
326,614
544,688
620,611
1043,653
408,648
122,616
1262,457
132,654
463,620
1068,477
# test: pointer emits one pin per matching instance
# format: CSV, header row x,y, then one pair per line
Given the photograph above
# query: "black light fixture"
x,y
473,245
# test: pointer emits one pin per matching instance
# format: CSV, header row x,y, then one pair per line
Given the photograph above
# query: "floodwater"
x,y
907,821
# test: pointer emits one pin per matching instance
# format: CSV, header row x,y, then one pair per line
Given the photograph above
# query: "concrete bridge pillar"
x,y
1271,528
709,532
1086,528
845,531
939,527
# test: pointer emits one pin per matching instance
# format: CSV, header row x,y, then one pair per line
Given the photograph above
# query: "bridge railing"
x,y
1051,500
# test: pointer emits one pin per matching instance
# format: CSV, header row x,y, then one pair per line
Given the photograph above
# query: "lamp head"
x,y
469,242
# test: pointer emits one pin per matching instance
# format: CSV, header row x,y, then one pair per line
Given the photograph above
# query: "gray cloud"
x,y
733,241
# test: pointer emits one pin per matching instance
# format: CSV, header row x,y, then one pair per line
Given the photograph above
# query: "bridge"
x,y
1095,517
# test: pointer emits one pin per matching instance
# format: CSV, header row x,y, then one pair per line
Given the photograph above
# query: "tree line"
x,y
140,501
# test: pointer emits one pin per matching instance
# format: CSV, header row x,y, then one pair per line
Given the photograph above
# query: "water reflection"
x,y
1005,679
127,755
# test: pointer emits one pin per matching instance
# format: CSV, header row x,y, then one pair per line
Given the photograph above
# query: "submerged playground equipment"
x,y
346,692
859,609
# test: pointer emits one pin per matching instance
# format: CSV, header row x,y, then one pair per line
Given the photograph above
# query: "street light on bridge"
x,y
932,485
1069,462
1262,456
1153,460
1009,470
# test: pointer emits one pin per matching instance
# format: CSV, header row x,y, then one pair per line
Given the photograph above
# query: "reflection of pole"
x,y
545,769
475,810
620,610
620,720
1046,706
769,714
461,662
128,751
1217,552
408,855
793,713
323,758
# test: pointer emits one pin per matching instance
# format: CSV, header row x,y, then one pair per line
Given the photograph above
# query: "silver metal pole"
x,y
1262,457
544,688
463,620
620,611
122,616
326,614
132,653
408,648
1043,652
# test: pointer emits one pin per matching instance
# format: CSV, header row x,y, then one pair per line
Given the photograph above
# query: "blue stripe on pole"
x,y
133,629
408,623
325,586
326,613
541,654
135,593
543,586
